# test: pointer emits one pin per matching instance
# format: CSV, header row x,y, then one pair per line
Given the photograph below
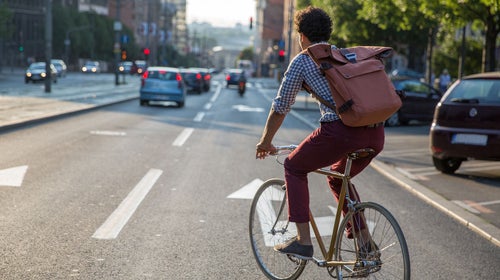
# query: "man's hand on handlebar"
x,y
263,150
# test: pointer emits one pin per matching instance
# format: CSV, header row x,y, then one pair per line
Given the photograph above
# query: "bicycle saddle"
x,y
361,153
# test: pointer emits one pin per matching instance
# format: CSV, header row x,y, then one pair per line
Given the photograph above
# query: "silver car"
x,y
162,84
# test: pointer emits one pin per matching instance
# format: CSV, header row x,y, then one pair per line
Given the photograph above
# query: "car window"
x,y
162,75
480,90
415,87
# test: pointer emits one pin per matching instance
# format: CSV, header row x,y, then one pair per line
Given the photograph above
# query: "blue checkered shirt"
x,y
303,69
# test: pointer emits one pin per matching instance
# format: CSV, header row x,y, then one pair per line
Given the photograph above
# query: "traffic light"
x,y
281,55
21,48
251,23
146,52
124,54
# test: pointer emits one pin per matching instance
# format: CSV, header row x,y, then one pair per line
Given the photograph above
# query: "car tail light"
x,y
144,77
207,77
198,76
178,77
436,150
228,77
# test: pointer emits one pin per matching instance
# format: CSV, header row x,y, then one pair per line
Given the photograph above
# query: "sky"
x,y
224,13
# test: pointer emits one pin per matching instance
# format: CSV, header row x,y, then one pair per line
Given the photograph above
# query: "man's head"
x,y
314,23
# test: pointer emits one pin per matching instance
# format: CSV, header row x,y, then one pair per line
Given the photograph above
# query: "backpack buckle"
x,y
351,57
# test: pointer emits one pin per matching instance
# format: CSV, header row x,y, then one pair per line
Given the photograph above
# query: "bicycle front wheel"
x,y
269,226
387,254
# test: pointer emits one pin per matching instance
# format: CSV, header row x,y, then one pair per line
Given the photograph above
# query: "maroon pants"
x,y
327,146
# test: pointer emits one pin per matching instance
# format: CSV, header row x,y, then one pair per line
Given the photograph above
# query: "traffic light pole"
x,y
116,50
48,45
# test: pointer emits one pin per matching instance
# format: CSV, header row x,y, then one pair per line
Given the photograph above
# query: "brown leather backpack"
x,y
362,91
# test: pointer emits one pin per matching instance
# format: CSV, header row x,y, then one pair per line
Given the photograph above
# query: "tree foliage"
x,y
5,18
411,26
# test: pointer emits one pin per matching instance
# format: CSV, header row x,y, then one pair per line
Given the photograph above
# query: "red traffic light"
x,y
146,51
281,55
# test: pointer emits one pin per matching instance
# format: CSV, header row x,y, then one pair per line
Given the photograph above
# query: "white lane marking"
x,y
208,106
199,117
181,139
216,94
13,177
108,133
119,218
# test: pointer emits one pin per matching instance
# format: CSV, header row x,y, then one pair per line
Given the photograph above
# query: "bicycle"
x,y
386,257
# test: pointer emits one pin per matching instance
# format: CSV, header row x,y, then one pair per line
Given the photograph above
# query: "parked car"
x,y
37,72
466,122
60,67
193,80
419,103
91,67
125,67
162,84
233,76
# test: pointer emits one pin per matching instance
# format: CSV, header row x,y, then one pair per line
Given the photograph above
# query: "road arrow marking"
x,y
248,191
13,177
245,108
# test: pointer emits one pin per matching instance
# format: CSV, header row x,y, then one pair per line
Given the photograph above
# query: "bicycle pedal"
x,y
300,257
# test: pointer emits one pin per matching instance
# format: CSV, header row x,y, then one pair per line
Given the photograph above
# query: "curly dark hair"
x,y
314,23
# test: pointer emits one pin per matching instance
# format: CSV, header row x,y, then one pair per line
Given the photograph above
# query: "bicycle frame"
x,y
344,195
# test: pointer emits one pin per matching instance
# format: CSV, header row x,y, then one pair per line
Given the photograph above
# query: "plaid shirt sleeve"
x,y
302,69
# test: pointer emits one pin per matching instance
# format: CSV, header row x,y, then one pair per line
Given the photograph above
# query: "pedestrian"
x,y
444,80
325,146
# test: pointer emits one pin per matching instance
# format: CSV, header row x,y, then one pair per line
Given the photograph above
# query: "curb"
x,y
474,223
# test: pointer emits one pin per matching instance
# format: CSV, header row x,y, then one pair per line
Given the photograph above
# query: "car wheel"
x,y
180,104
143,102
447,165
393,120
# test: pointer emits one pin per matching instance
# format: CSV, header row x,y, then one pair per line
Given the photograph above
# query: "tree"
x,y
5,27
246,54
5,20
485,11
407,19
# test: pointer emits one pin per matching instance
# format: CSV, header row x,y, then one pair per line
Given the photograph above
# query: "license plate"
x,y
469,139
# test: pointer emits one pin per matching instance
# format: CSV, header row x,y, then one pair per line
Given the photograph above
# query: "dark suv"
x,y
466,122
193,80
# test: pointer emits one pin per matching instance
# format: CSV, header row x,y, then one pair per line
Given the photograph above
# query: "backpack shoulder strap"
x,y
319,98
313,55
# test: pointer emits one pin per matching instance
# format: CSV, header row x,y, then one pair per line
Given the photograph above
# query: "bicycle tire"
x,y
393,260
269,226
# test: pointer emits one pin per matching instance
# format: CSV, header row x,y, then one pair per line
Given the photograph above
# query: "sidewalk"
x,y
21,106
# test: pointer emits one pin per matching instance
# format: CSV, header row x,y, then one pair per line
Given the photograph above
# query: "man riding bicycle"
x,y
325,146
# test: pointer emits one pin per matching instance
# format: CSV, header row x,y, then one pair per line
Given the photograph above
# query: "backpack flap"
x,y
319,51
362,53
351,70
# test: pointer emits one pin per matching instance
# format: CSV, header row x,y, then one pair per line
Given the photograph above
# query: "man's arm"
x,y
265,146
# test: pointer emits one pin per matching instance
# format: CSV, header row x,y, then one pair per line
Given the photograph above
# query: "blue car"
x,y
162,84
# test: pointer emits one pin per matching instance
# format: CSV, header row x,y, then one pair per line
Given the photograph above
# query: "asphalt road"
x,y
131,192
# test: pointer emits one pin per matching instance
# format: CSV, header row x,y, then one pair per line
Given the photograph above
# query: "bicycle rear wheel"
x,y
391,259
269,226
